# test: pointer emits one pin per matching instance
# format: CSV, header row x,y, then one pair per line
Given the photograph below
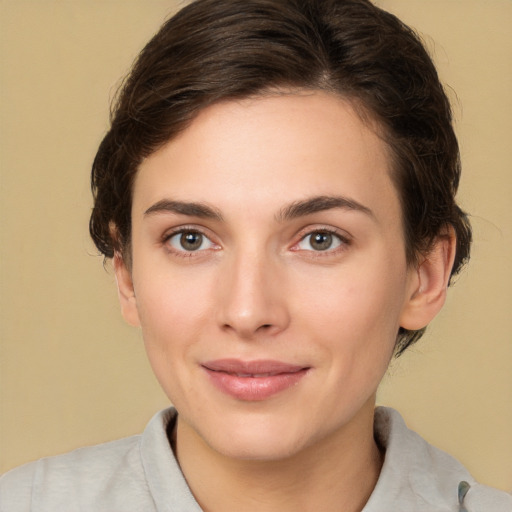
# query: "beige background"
x,y
73,374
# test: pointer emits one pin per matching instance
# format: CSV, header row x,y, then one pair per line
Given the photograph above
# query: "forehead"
x,y
268,149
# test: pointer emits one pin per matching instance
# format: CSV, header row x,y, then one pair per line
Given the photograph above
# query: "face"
x,y
268,271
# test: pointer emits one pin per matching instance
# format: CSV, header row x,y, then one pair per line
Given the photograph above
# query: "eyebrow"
x,y
200,210
321,203
292,211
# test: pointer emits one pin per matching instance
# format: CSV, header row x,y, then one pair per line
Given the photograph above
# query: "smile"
x,y
254,375
253,380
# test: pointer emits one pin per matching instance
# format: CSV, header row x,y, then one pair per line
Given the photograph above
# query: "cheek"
x,y
174,308
169,318
169,322
355,313
359,296
171,299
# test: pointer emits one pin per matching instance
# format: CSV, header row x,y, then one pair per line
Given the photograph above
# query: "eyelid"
x,y
187,229
344,237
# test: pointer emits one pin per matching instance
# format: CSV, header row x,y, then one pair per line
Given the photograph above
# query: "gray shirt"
x,y
140,473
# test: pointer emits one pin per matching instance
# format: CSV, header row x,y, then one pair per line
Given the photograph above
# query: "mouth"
x,y
253,380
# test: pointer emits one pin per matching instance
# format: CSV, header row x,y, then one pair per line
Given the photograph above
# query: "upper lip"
x,y
259,367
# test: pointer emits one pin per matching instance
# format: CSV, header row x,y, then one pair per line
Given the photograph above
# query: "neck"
x,y
336,473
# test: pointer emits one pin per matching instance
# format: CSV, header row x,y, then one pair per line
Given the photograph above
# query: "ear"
x,y
429,282
126,291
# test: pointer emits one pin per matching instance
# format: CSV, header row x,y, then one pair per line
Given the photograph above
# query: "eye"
x,y
321,240
190,241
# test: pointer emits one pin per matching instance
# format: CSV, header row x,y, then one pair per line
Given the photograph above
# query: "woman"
x,y
277,195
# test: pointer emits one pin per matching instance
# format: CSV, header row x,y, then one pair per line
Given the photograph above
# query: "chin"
x,y
257,437
258,448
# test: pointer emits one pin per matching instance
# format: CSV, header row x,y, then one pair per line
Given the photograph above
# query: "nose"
x,y
252,297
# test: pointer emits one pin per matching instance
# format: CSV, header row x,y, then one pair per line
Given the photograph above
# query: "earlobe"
x,y
126,291
429,283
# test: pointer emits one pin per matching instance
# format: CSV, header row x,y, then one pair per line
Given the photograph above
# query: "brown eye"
x,y
189,241
320,241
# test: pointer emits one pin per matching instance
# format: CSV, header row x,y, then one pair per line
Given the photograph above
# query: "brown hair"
x,y
216,50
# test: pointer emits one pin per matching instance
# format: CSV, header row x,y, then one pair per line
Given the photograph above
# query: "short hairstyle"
x,y
219,50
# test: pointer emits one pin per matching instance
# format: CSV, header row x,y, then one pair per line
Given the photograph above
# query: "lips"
x,y
253,380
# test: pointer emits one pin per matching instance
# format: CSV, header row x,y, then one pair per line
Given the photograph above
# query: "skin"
x,y
258,287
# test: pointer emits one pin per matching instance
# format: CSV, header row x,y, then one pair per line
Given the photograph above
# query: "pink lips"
x,y
253,380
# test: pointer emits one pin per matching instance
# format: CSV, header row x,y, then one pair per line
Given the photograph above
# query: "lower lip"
x,y
253,389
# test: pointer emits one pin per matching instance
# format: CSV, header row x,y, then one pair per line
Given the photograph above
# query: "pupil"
x,y
191,241
321,241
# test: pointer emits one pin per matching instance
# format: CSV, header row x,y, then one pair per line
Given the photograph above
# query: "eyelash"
x,y
183,253
343,241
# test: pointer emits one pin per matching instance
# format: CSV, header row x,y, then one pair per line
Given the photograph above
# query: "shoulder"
x,y
417,474
106,477
16,489
480,498
58,479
